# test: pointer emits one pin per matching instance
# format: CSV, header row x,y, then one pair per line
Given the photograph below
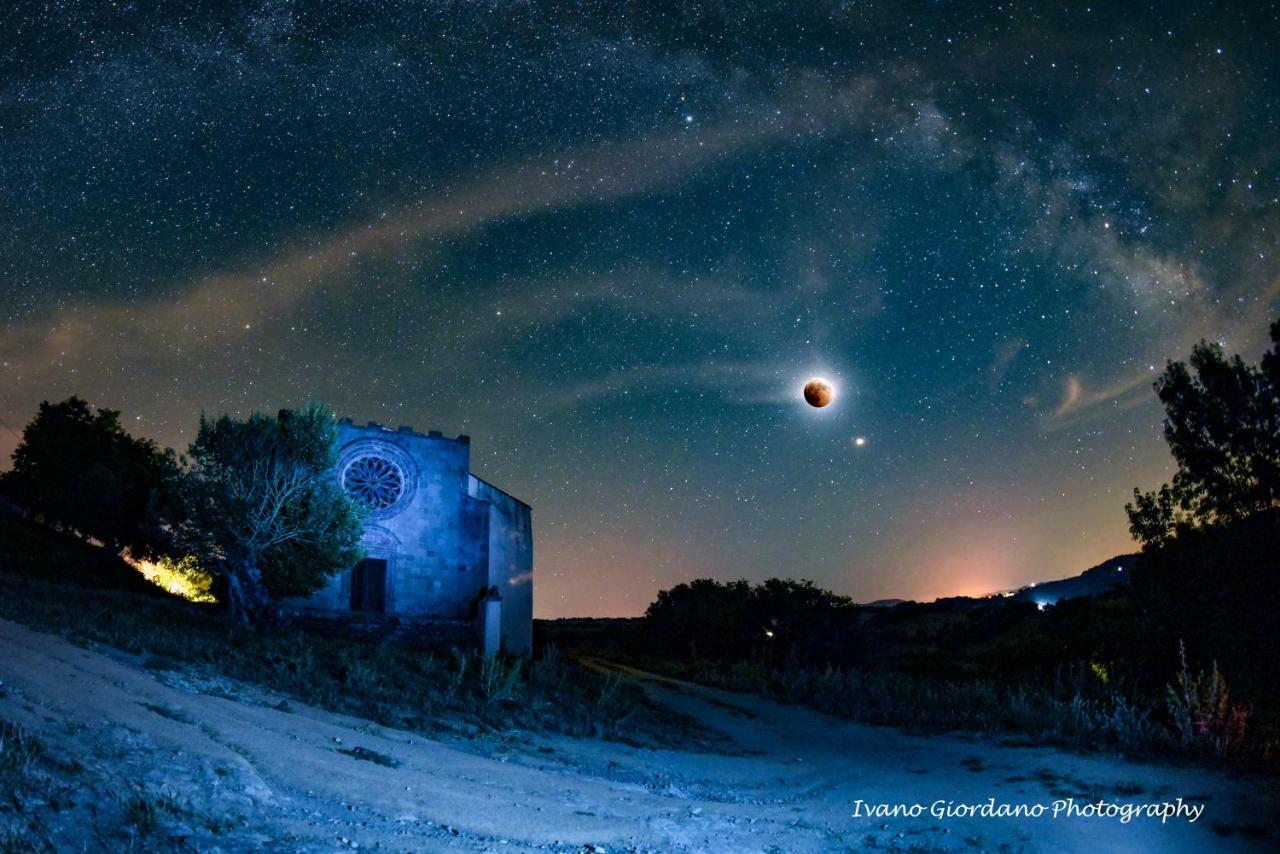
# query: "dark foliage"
x,y
1222,424
78,469
1218,590
262,509
1209,574
774,621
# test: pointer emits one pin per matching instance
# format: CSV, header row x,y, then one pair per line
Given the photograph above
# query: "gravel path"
x,y
232,767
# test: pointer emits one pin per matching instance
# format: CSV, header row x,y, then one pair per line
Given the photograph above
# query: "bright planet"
x,y
818,393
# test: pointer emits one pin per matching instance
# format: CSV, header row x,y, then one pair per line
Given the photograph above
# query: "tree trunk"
x,y
247,600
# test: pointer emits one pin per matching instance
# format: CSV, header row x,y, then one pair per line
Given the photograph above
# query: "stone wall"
x,y
446,536
510,562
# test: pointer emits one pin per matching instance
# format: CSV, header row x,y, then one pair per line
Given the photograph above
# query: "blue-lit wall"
x,y
447,537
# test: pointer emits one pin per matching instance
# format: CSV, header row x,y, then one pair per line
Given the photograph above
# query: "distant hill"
x,y
1091,582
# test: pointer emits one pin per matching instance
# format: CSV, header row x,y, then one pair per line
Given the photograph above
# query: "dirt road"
x,y
233,768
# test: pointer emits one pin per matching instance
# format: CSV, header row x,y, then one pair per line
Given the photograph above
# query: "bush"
x,y
501,678
19,750
1203,715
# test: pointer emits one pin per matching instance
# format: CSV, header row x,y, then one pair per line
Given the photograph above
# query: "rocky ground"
x,y
105,753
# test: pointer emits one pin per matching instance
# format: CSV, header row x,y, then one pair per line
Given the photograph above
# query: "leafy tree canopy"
x,y
735,620
263,508
78,468
1222,423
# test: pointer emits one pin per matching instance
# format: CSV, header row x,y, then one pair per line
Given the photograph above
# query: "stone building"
x,y
446,553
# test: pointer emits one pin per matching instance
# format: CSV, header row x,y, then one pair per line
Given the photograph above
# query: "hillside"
x,y
1092,582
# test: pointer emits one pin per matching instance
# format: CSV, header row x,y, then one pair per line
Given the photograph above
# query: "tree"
x,y
263,509
806,624
704,619
1223,428
1209,572
79,469
776,620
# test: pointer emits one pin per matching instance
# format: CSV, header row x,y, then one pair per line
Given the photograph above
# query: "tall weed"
x,y
1204,718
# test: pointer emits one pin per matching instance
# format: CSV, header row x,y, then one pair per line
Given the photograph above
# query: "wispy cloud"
x,y
227,307
735,382
1080,404
1004,358
1243,333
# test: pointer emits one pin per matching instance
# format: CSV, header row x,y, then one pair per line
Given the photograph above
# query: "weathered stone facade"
x,y
444,549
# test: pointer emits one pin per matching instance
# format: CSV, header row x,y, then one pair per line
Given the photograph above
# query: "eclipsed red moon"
x,y
819,393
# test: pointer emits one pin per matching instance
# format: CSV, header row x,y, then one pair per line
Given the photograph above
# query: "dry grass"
x,y
393,684
1072,711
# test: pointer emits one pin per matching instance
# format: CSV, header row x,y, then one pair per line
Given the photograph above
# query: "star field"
x,y
611,241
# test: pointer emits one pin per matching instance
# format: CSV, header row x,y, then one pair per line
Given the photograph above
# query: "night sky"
x,y
611,241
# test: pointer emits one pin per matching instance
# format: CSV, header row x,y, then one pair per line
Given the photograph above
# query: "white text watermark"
x,y
1060,808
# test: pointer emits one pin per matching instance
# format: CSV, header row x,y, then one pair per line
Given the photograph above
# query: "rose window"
x,y
376,481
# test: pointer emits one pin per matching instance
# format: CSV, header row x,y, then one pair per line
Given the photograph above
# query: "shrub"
x,y
1203,715
19,749
613,703
548,671
500,678
140,813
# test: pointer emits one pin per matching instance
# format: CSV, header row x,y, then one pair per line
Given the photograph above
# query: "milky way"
x,y
611,242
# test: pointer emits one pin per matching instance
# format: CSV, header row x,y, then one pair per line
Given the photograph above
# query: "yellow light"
x,y
181,577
